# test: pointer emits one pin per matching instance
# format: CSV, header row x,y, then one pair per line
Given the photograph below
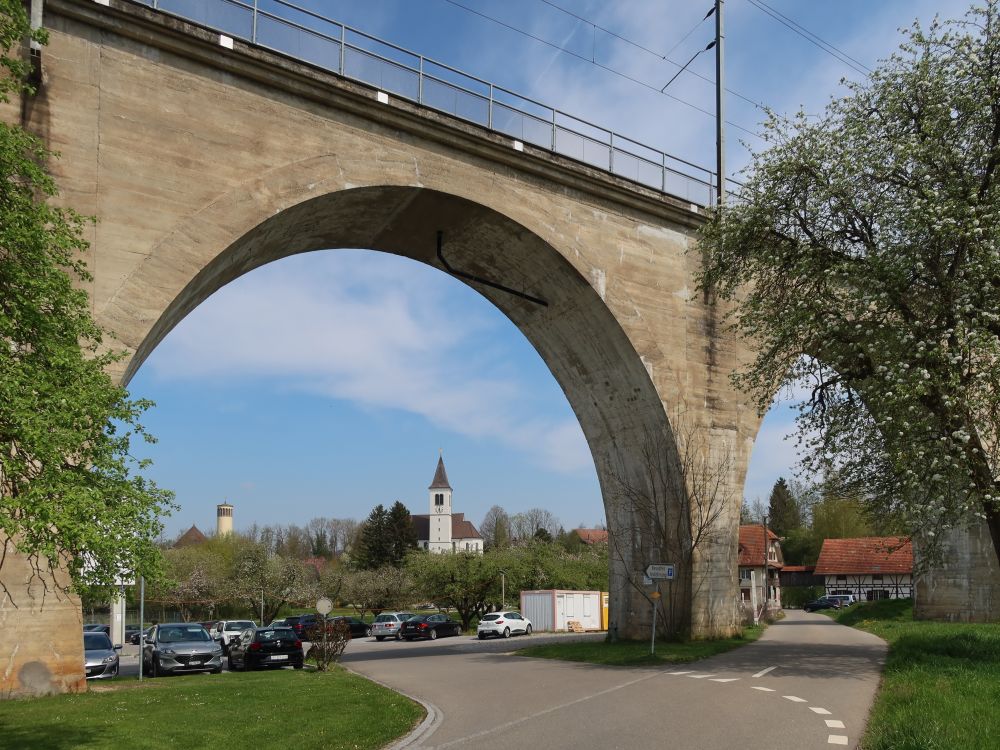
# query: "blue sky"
x,y
400,360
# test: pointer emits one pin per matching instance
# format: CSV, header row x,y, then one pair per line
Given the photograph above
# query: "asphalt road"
x,y
807,683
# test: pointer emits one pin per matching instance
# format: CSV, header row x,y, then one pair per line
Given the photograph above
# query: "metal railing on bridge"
x,y
311,37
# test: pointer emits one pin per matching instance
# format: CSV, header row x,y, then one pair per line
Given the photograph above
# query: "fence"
x,y
313,38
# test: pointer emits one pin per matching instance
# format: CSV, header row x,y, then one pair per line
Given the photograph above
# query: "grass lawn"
x,y
636,653
941,688
300,709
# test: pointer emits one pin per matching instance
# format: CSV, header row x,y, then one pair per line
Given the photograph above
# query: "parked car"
x,y
387,624
225,630
822,603
282,623
131,630
180,647
845,600
503,625
429,626
100,657
302,624
97,627
358,628
265,647
136,638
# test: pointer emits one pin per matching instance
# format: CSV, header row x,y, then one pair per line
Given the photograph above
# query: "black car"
x,y
136,638
358,628
265,647
429,626
821,603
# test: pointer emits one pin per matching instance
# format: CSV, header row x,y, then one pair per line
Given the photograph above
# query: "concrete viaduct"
x,y
204,158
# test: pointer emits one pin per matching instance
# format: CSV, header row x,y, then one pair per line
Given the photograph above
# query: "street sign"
x,y
660,571
646,580
323,606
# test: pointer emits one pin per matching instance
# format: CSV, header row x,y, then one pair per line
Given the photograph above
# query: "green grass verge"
x,y
636,653
301,709
941,688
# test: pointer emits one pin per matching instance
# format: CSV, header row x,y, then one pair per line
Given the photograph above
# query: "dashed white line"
x,y
794,698
837,739
766,690
834,724
688,672
724,679
700,676
763,672
818,710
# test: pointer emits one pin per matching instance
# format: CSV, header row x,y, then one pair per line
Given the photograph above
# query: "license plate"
x,y
277,657
195,661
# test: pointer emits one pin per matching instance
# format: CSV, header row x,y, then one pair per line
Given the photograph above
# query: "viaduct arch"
x,y
203,162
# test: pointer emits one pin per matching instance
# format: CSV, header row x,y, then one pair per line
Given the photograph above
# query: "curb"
x,y
424,729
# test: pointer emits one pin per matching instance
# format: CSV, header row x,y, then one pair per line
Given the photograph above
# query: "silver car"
x,y
177,647
100,657
387,624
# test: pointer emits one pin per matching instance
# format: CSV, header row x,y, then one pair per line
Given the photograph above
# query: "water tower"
x,y
223,519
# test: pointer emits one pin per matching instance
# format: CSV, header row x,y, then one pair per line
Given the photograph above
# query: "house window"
x,y
744,574
771,554
466,546
425,545
745,595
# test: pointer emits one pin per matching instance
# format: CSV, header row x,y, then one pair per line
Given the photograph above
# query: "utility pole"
x,y
720,104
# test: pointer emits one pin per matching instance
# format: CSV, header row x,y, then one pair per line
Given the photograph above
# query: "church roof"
x,y
191,536
460,528
440,481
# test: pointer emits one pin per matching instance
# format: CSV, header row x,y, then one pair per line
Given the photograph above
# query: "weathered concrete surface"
x,y
966,588
41,649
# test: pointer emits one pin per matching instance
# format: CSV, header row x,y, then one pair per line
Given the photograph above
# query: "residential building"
x,y
592,536
189,537
443,530
752,548
879,567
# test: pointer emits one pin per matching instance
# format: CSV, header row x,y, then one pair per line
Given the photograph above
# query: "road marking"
x,y
724,679
794,698
766,690
818,710
509,724
700,676
835,724
688,672
763,672
837,739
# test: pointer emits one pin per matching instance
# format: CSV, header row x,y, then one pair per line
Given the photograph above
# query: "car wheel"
x,y
217,670
399,636
506,632
482,636
154,670
527,630
368,633
434,634
380,638
297,666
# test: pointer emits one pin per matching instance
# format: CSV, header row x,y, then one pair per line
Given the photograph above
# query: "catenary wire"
x,y
808,36
654,53
599,65
815,36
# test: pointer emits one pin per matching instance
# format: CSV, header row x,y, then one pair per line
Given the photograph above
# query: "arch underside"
x,y
576,334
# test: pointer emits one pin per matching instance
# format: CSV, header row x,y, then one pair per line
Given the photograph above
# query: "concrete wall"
x,y
966,588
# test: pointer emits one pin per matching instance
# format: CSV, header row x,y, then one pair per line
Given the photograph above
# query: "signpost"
x,y
323,606
657,572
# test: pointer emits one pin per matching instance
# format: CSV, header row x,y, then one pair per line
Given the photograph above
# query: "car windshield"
x,y
276,634
238,625
386,618
418,618
96,642
181,633
493,616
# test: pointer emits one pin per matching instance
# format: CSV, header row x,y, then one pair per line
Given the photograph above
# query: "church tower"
x,y
440,511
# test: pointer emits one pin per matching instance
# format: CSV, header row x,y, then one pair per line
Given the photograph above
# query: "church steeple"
x,y
440,481
440,510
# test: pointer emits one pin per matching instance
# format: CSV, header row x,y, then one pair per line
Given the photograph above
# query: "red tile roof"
x,y
873,554
189,537
752,546
798,568
592,536
460,528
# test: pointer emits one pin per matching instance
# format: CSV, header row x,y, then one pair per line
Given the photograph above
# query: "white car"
x,y
226,630
387,624
503,625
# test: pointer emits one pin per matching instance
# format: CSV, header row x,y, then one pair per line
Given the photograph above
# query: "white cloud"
x,y
381,332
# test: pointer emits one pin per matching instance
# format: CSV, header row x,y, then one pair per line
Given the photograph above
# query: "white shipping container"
x,y
552,609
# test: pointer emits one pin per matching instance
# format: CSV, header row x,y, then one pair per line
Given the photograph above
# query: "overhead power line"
x,y
814,39
618,73
661,56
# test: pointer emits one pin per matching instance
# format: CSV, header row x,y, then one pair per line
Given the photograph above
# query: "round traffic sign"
x,y
323,606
